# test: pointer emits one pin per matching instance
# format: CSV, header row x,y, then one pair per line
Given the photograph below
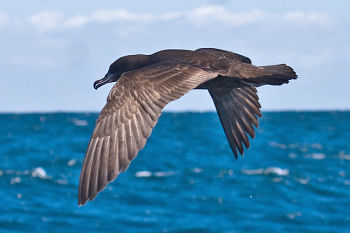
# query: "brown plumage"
x,y
146,83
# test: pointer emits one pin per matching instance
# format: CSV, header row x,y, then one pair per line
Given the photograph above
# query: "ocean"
x,y
294,178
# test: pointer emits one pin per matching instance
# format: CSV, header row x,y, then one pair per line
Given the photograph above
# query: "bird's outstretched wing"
x,y
238,110
124,124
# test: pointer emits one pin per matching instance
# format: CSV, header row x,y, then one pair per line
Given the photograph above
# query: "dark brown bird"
x,y
146,83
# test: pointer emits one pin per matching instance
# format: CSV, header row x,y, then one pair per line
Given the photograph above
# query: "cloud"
x,y
76,21
115,16
204,16
200,16
209,15
46,20
107,16
218,14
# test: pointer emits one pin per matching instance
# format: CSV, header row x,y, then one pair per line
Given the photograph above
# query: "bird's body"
x,y
146,83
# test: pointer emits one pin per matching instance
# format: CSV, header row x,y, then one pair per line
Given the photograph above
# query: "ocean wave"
x,y
63,182
317,146
278,145
344,156
143,174
71,162
17,176
36,172
15,180
276,171
197,170
14,172
317,156
270,170
40,173
253,171
156,174
302,147
303,181
294,215
79,122
162,174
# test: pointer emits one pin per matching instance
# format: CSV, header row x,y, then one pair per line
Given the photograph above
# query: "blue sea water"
x,y
294,178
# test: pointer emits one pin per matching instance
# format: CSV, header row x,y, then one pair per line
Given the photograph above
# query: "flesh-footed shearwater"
x,y
146,83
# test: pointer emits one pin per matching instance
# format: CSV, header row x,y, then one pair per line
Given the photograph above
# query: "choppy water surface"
x,y
294,178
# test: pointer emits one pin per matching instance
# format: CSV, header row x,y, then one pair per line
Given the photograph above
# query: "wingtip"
x,y
234,152
81,202
241,153
83,199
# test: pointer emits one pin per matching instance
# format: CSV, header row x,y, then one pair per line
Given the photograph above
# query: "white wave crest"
x,y
318,156
15,180
278,145
143,174
277,171
253,171
78,122
344,156
270,170
156,174
303,181
197,170
40,173
71,162
161,174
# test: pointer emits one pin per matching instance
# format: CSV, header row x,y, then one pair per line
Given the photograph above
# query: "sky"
x,y
53,51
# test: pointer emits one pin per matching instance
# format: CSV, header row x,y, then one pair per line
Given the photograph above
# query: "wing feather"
x,y
95,164
113,160
238,110
86,169
123,150
103,168
133,107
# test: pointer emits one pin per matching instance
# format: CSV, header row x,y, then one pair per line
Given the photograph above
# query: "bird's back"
x,y
205,58
199,54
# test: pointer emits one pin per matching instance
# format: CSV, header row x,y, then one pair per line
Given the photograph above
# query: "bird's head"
x,y
122,65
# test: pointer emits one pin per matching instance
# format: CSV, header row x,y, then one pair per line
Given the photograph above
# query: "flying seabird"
x,y
146,83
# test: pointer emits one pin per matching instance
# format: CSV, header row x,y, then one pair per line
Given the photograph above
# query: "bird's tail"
x,y
278,75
